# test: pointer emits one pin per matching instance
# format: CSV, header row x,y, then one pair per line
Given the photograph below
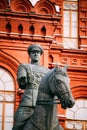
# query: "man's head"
x,y
35,47
35,51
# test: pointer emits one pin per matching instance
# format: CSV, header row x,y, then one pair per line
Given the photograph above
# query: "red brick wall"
x,y
13,45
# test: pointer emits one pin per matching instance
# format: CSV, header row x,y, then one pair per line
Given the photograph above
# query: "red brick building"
x,y
60,26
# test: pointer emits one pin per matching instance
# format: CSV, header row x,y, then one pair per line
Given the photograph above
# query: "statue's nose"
x,y
71,103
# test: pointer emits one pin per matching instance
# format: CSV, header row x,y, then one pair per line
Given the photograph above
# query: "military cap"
x,y
35,47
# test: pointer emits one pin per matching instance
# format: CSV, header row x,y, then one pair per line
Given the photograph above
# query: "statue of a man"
x,y
29,77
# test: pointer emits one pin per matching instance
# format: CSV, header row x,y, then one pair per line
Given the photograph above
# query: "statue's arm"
x,y
22,76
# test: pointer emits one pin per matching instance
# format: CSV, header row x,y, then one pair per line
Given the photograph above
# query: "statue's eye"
x,y
58,81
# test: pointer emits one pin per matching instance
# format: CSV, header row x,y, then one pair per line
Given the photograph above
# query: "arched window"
x,y
50,58
77,116
20,29
8,27
6,100
31,30
43,31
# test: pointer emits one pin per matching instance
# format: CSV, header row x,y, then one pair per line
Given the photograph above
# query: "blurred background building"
x,y
60,26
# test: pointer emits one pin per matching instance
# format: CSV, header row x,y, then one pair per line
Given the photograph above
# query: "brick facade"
x,y
23,23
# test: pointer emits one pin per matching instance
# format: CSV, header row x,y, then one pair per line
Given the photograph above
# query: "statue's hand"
x,y
22,82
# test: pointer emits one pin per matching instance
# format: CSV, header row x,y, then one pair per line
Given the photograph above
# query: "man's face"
x,y
35,55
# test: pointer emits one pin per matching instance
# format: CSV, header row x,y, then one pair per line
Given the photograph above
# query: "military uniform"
x,y
33,75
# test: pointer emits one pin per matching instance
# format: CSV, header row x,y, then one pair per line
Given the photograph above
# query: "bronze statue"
x,y
54,83
29,77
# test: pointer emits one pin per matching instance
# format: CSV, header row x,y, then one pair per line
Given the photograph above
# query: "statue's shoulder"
x,y
32,68
44,68
24,66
